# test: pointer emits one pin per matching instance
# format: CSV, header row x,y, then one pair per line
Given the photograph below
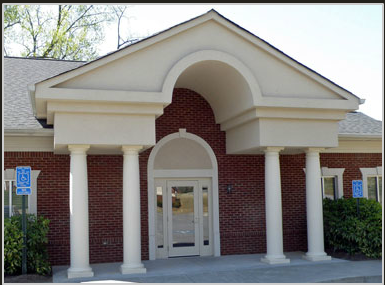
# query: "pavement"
x,y
234,269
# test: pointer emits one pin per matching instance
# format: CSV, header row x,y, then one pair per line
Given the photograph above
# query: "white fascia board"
x,y
119,108
348,105
343,136
96,96
29,132
283,113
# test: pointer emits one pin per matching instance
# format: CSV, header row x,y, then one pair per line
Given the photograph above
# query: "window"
x,y
372,183
332,182
375,188
329,187
13,202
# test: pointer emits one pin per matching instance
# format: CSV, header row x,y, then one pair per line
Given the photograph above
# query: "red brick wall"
x,y
241,213
352,162
52,196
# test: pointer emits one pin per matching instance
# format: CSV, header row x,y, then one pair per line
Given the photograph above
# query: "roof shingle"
x,y
357,123
18,74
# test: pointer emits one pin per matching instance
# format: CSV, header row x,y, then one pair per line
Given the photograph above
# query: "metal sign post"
x,y
23,184
24,228
357,193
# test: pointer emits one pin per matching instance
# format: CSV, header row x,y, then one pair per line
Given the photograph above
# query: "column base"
x,y
80,272
132,269
317,257
275,260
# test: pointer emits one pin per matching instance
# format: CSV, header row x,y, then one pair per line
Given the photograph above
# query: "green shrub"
x,y
349,232
37,256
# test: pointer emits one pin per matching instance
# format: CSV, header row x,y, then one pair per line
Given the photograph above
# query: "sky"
x,y
343,43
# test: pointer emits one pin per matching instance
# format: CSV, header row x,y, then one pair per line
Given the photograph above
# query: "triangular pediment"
x,y
143,67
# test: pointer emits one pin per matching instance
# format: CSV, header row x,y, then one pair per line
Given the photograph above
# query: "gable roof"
x,y
20,72
211,14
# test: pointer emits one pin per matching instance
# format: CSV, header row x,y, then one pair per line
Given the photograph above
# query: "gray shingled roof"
x,y
21,72
18,74
358,123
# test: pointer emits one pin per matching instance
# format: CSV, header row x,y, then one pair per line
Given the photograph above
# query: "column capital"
x,y
273,149
131,149
78,148
314,150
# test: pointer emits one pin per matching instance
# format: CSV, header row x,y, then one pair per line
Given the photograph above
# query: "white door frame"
x,y
177,173
183,251
202,249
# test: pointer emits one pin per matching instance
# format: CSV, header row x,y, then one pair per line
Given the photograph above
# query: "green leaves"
x,y
347,231
55,31
37,257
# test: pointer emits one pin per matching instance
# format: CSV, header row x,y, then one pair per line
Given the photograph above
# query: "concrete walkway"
x,y
234,269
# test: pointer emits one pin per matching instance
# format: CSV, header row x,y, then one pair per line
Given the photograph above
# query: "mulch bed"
x,y
346,256
27,278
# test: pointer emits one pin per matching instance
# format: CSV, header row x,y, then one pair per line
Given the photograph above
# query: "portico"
x,y
264,102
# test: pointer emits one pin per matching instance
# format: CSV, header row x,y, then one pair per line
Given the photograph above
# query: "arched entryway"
x,y
183,198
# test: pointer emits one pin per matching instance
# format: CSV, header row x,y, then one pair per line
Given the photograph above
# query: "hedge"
x,y
347,231
37,256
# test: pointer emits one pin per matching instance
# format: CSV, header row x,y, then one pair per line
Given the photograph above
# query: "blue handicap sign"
x,y
357,189
23,191
23,176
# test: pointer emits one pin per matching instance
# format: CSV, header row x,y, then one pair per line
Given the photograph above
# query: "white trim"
x,y
360,136
335,172
356,145
332,172
203,55
173,31
38,143
29,132
368,172
151,175
183,173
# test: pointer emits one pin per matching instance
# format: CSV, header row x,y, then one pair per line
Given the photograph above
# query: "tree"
x,y
120,13
11,16
55,31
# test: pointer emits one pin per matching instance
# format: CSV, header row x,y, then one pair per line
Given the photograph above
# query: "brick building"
x,y
200,140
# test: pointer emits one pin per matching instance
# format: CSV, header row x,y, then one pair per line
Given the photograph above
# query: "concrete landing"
x,y
234,269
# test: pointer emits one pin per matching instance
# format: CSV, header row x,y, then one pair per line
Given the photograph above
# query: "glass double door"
x,y
183,218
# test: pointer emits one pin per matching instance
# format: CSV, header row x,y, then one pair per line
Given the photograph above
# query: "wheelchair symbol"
x,y
23,178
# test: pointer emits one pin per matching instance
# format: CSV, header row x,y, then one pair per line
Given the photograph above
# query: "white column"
x,y
273,205
80,266
131,212
315,231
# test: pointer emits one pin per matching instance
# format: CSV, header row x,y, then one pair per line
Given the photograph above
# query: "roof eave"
x,y
29,132
347,136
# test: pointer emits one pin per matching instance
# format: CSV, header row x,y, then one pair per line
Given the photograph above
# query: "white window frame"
x,y
335,196
10,175
337,173
370,172
333,172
